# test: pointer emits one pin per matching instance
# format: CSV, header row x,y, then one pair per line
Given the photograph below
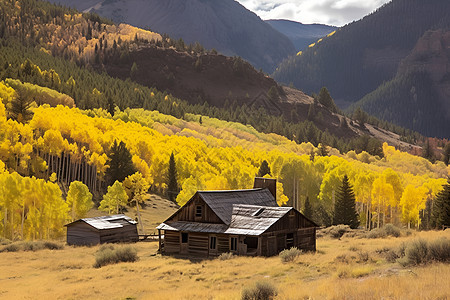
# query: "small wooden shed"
x,y
99,230
243,222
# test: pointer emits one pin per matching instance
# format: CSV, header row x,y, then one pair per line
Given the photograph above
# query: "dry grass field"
x,y
349,268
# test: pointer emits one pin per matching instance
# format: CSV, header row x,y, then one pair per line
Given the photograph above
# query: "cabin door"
x,y
184,243
271,246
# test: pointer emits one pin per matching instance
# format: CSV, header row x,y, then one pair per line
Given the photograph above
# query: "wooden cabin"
x,y
243,222
99,230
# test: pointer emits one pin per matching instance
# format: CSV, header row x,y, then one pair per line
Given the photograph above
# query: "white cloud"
x,y
331,12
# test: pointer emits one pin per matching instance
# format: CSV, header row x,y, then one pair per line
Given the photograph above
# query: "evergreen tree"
x,y
111,107
344,207
134,70
325,99
441,208
20,108
311,112
322,150
307,209
264,169
446,155
360,116
427,152
172,185
273,94
120,163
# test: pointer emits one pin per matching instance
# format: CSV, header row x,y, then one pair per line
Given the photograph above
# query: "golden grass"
x,y
336,271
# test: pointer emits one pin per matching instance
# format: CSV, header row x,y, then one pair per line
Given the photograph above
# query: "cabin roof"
x,y
221,202
245,220
107,222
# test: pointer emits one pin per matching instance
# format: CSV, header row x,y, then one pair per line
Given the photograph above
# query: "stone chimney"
x,y
269,183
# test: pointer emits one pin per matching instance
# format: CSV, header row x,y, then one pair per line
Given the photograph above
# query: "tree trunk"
x,y
139,217
378,216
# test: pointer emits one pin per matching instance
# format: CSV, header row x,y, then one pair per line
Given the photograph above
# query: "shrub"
x,y
226,256
288,255
261,290
336,231
392,230
53,246
109,255
31,246
376,233
439,250
387,230
363,256
4,241
11,248
417,252
391,256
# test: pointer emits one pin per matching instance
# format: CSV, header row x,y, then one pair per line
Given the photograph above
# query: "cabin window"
x,y
184,237
198,211
212,243
233,244
289,240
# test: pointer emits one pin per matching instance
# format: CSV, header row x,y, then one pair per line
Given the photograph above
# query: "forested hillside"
x,y
420,90
63,144
362,55
224,25
68,132
70,72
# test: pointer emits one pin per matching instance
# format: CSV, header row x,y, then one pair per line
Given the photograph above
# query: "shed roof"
x,y
107,222
221,202
245,220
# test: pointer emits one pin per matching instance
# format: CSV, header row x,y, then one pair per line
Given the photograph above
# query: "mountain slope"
x,y
224,25
420,90
364,54
301,35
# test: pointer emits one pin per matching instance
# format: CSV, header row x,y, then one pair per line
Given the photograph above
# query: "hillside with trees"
x,y
225,25
72,138
419,90
361,56
281,110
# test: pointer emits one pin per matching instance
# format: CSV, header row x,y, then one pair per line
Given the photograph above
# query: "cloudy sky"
x,y
331,12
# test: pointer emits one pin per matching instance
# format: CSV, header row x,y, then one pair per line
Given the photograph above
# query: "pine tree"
x,y
172,185
427,152
325,99
441,208
344,207
264,169
120,163
20,108
307,209
446,155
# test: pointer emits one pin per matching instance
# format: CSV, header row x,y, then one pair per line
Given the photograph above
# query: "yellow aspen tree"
x,y
137,190
382,194
114,199
79,200
412,201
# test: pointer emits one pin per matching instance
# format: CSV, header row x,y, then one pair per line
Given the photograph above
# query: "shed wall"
x,y
81,233
128,233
